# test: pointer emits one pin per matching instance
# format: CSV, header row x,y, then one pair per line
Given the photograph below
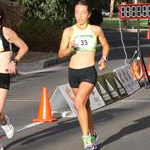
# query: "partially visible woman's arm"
x,y
12,37
103,42
105,47
66,46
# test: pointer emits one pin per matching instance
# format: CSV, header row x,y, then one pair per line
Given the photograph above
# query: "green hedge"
x,y
131,23
40,35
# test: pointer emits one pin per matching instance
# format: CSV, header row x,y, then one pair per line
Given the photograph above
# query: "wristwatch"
x,y
15,60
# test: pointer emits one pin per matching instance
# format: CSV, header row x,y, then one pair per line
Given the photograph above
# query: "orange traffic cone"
x,y
148,69
44,114
148,34
138,70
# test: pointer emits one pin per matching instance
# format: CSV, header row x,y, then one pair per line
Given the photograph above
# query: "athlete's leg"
x,y
4,120
90,118
3,95
81,98
83,111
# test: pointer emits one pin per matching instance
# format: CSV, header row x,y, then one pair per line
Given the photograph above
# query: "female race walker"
x,y
80,41
8,66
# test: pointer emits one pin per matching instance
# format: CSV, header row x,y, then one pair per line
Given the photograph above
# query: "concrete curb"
x,y
53,61
50,62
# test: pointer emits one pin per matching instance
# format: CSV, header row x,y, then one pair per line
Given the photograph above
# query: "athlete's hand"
x,y
72,44
12,68
72,47
102,64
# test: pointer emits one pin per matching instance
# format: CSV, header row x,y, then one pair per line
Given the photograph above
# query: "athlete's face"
x,y
81,14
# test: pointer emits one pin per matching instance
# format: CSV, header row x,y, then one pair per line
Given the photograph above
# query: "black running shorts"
x,y
76,76
4,81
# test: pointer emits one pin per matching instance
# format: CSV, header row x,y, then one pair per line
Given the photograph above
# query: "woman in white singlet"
x,y
80,41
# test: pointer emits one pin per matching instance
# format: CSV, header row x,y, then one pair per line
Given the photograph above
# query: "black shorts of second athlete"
x,y
4,81
76,76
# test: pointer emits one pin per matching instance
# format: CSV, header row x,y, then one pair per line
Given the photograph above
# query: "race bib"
x,y
84,42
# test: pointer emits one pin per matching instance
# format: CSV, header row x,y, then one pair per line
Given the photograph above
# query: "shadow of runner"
x,y
43,134
98,117
70,124
140,124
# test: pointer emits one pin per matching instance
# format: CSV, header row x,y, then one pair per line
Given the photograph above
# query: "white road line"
x,y
28,126
23,100
54,68
123,100
19,129
140,101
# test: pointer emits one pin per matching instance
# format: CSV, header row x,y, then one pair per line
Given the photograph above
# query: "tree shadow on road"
x,y
63,126
139,124
72,124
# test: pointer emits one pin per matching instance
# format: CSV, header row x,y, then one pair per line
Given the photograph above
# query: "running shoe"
x,y
1,147
94,139
91,147
87,142
8,128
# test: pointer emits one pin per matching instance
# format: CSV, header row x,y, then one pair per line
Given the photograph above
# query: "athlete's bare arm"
x,y
105,46
12,37
103,41
66,46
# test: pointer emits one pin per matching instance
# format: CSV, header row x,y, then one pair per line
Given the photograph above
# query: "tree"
x,y
112,3
56,11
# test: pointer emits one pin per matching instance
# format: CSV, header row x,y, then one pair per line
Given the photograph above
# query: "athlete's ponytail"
x,y
96,17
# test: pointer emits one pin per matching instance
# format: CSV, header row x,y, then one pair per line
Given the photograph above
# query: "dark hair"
x,y
96,17
11,15
84,2
2,15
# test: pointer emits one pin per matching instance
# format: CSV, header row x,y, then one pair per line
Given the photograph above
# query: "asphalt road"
x,y
124,124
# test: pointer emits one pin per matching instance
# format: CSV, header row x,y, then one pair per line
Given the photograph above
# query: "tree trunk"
x,y
112,3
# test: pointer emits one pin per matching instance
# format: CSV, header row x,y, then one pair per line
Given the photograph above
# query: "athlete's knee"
x,y
79,105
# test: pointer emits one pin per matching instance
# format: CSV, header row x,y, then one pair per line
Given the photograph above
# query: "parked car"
x,y
105,13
